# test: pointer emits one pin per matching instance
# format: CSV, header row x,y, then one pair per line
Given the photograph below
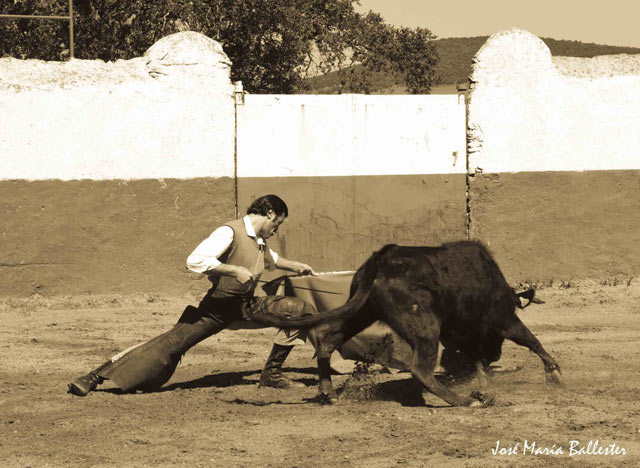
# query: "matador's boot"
x,y
272,375
85,384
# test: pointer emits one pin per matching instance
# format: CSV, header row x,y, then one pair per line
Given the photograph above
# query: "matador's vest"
x,y
243,251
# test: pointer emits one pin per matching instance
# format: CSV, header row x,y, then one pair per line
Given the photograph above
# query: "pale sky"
x,y
609,22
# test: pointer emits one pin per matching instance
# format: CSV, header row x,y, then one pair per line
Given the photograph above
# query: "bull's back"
x,y
461,278
453,265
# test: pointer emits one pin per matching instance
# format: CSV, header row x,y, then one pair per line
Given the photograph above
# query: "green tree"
x,y
25,38
274,44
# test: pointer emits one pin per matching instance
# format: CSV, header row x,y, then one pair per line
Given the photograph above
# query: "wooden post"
x,y
71,29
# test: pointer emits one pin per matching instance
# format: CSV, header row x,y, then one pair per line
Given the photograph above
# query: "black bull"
x,y
455,294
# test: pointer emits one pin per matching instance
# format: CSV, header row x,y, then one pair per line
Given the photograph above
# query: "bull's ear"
x,y
527,297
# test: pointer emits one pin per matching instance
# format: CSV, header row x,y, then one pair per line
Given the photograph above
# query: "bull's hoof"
x,y
328,399
554,377
482,399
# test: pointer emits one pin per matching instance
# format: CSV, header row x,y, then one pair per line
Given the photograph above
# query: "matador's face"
x,y
271,225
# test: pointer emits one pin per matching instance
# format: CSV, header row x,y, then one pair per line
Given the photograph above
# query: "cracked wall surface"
x,y
357,171
106,236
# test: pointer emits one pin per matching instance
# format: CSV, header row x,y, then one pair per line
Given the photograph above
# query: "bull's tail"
x,y
357,300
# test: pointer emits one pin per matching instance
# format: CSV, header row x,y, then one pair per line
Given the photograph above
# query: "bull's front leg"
x,y
481,375
520,334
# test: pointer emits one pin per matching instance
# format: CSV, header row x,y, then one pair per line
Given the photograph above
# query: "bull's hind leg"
x,y
325,344
425,355
327,337
420,327
517,332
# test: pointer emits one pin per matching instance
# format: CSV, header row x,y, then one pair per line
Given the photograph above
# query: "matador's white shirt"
x,y
205,256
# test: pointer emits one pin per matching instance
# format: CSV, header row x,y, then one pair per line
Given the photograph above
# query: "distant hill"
x,y
456,55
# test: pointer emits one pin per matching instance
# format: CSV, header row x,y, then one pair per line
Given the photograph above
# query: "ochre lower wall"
x,y
335,223
66,237
545,226
134,236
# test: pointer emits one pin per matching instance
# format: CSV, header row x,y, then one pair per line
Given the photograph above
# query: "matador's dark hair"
x,y
262,205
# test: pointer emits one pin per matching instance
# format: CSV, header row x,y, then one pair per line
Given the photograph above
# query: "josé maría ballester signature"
x,y
575,448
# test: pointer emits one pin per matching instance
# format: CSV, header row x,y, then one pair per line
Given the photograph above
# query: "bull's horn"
x,y
530,296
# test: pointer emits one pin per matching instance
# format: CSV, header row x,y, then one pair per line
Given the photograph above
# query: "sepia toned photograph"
x,y
319,233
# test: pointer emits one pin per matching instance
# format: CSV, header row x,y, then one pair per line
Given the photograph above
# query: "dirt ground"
x,y
212,414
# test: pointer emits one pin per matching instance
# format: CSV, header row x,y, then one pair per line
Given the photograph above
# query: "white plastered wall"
x,y
531,112
312,136
169,113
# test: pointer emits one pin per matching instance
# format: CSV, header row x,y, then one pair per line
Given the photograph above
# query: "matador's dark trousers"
x,y
149,365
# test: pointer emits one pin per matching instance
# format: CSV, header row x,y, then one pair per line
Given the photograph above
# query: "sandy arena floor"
x,y
211,413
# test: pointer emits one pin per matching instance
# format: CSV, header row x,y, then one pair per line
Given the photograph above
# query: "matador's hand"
x,y
304,269
243,275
